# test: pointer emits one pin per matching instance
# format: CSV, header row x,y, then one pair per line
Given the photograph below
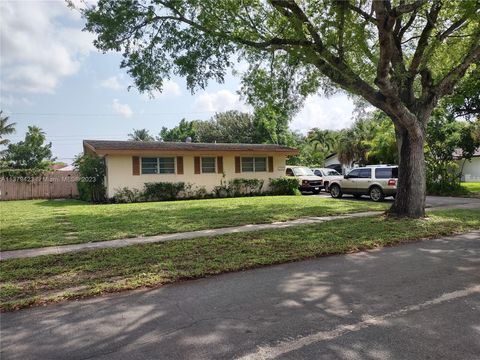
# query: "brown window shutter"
x,y
180,165
270,164
237,164
135,165
220,164
196,164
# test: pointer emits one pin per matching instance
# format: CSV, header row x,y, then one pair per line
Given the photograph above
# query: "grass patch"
x,y
34,281
473,188
39,223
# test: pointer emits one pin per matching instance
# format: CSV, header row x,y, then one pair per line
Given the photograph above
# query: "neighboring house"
x,y
332,162
470,169
133,163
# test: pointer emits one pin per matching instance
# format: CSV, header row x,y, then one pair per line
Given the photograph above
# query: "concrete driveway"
x,y
431,201
415,301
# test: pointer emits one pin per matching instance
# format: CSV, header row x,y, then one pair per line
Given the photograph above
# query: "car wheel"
x,y
335,191
376,194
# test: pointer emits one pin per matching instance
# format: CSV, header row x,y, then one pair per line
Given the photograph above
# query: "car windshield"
x,y
331,173
302,171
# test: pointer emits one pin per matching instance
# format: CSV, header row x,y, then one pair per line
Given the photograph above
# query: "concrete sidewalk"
x,y
26,253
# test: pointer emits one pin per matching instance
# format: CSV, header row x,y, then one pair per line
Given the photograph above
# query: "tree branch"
x,y
446,85
362,13
423,41
407,8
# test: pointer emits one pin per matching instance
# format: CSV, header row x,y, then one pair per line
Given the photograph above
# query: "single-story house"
x,y
133,163
470,169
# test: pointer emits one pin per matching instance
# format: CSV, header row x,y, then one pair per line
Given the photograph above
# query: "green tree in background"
x,y
5,129
400,56
228,127
31,153
185,129
140,135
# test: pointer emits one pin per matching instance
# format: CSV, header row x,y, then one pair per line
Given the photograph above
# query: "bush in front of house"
x,y
91,186
238,187
287,185
157,191
245,187
126,195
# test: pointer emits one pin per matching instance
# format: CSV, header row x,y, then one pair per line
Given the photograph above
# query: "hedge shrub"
x,y
287,185
157,191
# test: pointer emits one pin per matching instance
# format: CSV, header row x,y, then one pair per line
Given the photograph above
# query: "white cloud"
x,y
170,89
219,101
38,48
112,83
332,113
122,109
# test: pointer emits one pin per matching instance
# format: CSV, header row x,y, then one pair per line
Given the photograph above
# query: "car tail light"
x,y
392,182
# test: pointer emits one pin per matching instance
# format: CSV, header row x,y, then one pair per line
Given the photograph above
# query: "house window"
x,y
161,165
254,164
208,165
149,166
166,165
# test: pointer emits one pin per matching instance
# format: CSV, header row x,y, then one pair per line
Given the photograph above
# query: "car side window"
x,y
365,173
289,172
354,174
318,172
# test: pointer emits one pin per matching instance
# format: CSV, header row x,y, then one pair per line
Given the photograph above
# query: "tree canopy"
x,y
400,56
140,135
31,153
5,129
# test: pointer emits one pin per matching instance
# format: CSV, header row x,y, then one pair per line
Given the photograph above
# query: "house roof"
x,y
102,147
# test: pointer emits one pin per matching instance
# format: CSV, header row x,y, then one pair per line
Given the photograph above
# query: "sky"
x,y
52,76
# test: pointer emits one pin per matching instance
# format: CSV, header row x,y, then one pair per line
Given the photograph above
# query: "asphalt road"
x,y
415,301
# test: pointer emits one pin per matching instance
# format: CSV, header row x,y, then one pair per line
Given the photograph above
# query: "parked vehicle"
x,y
327,175
375,181
308,180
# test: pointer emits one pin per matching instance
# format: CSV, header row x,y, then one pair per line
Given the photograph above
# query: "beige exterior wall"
x,y
119,171
471,169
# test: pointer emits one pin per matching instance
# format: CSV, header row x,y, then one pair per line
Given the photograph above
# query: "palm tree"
x,y
5,129
140,135
322,140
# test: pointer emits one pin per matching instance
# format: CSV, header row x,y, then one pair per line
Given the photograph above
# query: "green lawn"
x,y
34,281
38,223
473,188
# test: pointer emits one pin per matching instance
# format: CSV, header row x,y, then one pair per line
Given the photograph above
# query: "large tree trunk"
x,y
410,198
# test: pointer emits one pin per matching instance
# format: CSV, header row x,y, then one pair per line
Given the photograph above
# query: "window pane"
x,y
354,173
149,165
366,173
386,173
167,165
247,164
260,164
208,165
